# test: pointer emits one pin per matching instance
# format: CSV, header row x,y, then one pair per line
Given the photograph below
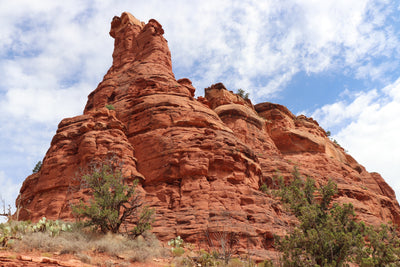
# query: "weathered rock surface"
x,y
200,161
77,142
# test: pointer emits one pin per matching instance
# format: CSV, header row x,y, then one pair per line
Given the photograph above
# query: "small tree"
x,y
382,247
242,94
328,234
115,199
38,166
144,222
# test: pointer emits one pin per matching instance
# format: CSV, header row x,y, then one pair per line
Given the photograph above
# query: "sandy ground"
x,y
11,258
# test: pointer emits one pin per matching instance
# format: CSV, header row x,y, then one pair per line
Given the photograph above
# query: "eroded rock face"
x,y
201,161
78,142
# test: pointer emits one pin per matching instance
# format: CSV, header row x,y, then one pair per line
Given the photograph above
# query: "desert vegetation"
x,y
110,107
242,93
329,234
114,201
58,238
37,167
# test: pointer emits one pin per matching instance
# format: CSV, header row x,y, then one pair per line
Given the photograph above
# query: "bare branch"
x,y
4,212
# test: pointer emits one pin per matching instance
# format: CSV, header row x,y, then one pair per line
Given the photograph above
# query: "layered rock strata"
x,y
201,161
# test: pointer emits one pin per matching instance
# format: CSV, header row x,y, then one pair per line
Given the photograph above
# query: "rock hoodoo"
x,y
201,161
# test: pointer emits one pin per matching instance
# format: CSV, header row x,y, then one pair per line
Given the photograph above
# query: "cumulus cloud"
x,y
340,112
260,46
370,127
51,58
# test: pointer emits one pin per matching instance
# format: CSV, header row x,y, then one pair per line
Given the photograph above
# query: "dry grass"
x,y
81,243
65,243
84,258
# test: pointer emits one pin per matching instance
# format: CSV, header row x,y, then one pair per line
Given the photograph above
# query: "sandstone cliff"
x,y
201,161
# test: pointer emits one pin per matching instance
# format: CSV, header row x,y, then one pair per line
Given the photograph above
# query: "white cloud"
x,y
372,133
338,113
241,43
41,105
49,70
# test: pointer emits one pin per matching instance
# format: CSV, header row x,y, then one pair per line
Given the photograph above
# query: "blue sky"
x,y
335,60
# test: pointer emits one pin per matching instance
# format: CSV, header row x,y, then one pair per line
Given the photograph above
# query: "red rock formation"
x,y
78,142
200,161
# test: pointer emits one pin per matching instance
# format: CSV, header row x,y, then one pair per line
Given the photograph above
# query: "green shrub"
x,y
328,233
177,252
114,200
38,166
110,107
243,94
264,188
266,263
146,218
382,247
